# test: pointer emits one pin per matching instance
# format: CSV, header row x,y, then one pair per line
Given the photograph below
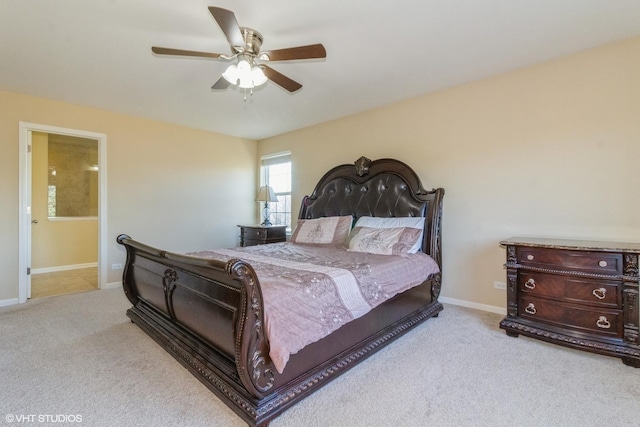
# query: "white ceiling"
x,y
98,52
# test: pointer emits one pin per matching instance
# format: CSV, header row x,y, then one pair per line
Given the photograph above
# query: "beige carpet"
x,y
79,355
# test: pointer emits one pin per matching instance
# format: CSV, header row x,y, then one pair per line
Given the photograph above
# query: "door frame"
x,y
24,228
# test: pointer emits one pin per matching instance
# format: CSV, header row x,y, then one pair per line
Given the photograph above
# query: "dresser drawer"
x,y
580,318
603,293
588,262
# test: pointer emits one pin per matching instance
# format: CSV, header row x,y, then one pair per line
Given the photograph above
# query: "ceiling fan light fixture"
x,y
231,74
244,66
258,76
246,74
245,82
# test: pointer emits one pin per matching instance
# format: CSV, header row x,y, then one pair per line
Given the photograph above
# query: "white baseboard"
x,y
8,302
111,285
474,305
14,301
63,268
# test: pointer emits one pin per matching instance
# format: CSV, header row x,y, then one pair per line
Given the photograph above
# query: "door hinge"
x,y
28,271
28,148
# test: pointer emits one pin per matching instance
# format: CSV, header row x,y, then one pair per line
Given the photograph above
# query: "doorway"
x,y
62,215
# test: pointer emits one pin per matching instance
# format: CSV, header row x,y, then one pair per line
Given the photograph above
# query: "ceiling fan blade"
x,y
180,52
222,83
300,52
281,80
228,24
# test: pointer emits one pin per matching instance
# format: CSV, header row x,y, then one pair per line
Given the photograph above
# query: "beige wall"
x,y
548,150
169,186
56,243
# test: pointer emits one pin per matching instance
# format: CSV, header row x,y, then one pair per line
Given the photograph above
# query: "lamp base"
x,y
266,213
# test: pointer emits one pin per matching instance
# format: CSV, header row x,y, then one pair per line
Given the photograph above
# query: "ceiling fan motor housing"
x,y
252,41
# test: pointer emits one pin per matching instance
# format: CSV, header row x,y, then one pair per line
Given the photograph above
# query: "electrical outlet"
x,y
499,285
117,266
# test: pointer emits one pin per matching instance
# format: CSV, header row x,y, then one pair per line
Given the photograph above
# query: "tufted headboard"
x,y
383,188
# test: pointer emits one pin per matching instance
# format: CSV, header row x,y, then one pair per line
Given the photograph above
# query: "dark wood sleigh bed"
x,y
209,314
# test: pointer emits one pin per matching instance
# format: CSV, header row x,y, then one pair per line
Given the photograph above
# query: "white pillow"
x,y
333,230
383,241
395,222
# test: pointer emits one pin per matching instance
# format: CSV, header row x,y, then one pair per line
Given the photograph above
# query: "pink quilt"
x,y
310,291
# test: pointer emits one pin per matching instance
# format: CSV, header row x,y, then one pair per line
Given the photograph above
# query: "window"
x,y
276,173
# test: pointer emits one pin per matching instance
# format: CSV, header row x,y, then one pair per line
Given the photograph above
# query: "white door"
x,y
29,219
25,208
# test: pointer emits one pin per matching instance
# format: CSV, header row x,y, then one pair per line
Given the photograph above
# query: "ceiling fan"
x,y
248,71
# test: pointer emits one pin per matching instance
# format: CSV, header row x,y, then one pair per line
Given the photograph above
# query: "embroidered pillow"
x,y
383,241
333,230
395,222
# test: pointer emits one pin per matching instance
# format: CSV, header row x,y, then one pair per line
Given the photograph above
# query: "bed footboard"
x,y
175,297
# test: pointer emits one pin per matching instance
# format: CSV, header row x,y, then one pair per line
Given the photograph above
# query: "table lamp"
x,y
266,195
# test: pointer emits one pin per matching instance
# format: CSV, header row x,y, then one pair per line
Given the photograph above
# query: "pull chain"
x,y
245,93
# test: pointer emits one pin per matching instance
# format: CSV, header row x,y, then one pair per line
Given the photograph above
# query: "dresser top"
x,y
578,245
261,226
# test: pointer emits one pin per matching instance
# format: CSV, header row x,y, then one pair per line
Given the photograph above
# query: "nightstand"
x,y
251,235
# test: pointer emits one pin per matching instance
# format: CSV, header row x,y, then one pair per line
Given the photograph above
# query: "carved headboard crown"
x,y
382,188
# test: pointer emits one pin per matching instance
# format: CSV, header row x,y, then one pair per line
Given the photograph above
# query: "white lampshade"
x,y
243,67
245,81
258,76
244,74
266,194
231,74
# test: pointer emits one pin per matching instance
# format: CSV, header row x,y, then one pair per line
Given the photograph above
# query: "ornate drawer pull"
x,y
530,257
531,309
530,284
599,293
602,263
603,323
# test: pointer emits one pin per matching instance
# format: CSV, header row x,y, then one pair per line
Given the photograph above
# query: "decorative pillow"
x,y
396,222
333,230
383,241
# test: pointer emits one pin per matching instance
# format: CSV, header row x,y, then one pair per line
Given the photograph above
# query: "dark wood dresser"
x,y
251,235
579,294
